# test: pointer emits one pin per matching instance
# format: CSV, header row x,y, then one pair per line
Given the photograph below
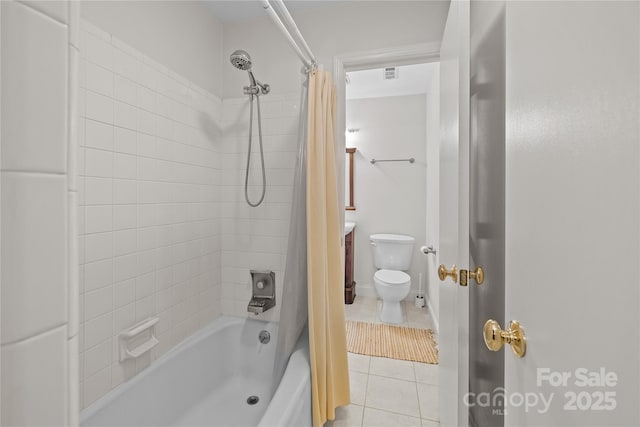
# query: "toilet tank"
x,y
392,251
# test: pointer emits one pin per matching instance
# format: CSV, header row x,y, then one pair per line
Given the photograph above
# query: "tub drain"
x,y
252,400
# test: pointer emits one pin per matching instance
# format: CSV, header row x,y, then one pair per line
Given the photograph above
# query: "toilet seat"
x,y
392,277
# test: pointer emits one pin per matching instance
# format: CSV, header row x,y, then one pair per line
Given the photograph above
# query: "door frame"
x,y
361,60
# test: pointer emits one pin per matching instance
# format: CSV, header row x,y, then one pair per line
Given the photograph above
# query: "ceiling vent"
x,y
390,73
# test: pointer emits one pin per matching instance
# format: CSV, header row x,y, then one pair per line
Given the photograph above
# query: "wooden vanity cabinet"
x,y
349,283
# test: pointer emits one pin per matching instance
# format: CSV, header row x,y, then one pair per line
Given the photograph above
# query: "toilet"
x,y
392,257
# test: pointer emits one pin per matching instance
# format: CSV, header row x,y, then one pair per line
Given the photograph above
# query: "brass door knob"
x,y
477,275
495,337
443,273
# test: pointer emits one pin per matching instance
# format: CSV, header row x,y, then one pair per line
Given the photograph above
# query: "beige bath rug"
x,y
396,342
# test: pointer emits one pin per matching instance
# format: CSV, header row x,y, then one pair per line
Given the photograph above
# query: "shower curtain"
x,y
325,272
293,309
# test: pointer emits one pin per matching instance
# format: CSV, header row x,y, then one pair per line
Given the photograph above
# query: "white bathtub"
x,y
206,381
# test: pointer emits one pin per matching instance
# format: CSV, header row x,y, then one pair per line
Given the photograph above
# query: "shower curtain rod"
x,y
283,19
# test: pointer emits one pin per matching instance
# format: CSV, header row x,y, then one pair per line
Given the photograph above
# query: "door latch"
x,y
476,274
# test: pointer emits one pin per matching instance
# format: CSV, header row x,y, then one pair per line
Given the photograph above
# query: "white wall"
x,y
39,338
183,35
340,27
256,238
433,195
389,197
149,217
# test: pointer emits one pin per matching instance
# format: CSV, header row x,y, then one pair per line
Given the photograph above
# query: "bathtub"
x,y
206,381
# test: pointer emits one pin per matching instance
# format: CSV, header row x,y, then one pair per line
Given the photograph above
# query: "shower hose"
x,y
246,177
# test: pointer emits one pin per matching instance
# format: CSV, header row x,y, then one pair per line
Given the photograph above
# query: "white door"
x,y
572,212
454,219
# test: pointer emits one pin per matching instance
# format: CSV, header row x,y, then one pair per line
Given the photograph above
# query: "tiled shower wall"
x,y
256,238
39,339
150,174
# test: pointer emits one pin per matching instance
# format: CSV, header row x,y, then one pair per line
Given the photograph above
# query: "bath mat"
x,y
396,342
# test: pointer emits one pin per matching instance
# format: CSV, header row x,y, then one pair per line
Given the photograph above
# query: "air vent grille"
x,y
390,73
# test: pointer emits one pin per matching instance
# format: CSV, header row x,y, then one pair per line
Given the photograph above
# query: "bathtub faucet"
x,y
260,305
264,291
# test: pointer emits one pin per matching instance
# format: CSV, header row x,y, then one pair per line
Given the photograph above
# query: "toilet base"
x,y
391,312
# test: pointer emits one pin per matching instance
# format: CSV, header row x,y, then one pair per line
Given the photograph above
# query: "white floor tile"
x,y
426,373
429,401
392,368
359,362
347,416
392,395
358,383
377,418
389,392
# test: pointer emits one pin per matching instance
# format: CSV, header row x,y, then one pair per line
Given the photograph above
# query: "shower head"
x,y
241,60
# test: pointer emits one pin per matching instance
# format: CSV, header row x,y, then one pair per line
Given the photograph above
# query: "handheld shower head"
x,y
241,60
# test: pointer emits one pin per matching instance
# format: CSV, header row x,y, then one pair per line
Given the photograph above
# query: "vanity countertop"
x,y
348,227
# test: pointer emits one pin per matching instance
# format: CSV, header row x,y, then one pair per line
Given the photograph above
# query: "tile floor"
x,y
366,309
387,392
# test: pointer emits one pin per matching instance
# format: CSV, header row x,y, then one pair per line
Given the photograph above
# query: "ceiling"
x,y
412,80
246,10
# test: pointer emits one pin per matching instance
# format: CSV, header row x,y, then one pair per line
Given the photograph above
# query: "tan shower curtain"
x,y
325,272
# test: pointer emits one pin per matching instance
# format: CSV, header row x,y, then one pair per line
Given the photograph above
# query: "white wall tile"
x,y
97,330
98,275
96,386
124,166
125,90
99,107
98,302
98,135
123,318
73,119
124,192
73,261
125,115
97,358
125,217
31,237
98,163
143,211
74,381
99,191
125,267
124,293
98,219
98,246
125,141
35,381
98,50
38,52
99,79
125,64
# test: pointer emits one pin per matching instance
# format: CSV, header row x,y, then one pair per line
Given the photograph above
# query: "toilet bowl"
x,y
392,254
392,286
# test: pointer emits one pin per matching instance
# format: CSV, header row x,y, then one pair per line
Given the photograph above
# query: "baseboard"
x,y
436,325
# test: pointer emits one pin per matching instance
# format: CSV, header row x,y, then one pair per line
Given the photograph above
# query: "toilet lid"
x,y
393,277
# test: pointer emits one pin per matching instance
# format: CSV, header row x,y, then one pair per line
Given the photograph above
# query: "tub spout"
x,y
260,305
